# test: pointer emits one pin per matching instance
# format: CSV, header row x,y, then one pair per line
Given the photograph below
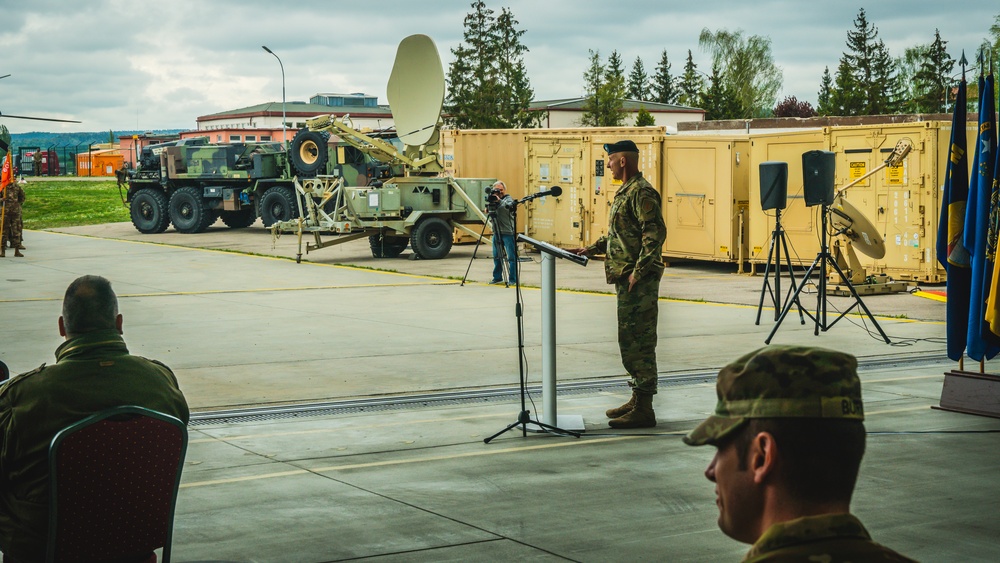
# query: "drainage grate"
x,y
493,395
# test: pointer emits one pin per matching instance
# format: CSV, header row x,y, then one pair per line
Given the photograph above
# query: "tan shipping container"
x,y
798,221
575,161
705,193
903,202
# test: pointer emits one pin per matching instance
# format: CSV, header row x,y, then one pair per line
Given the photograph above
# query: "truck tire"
x,y
239,219
431,239
385,246
277,204
188,211
149,211
309,153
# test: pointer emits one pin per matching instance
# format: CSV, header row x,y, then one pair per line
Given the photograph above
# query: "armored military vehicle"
x,y
191,182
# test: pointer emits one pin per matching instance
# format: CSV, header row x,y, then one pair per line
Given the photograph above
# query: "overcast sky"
x,y
123,64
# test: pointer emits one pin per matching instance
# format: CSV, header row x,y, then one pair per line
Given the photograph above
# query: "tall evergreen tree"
x,y
932,77
516,91
691,85
662,85
720,100
824,102
605,93
867,78
615,68
747,66
488,86
638,82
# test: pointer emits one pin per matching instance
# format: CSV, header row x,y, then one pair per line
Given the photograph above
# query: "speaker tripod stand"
x,y
778,241
823,258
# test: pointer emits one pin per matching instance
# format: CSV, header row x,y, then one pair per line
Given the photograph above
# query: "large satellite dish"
x,y
856,227
416,90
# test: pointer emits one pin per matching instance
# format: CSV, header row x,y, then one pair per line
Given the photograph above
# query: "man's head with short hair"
x,y
500,186
790,435
89,304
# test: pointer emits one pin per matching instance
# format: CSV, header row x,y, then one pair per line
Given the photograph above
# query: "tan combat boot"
x,y
642,416
3,251
622,410
18,253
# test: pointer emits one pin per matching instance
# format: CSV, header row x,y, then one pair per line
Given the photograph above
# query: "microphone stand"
x,y
524,417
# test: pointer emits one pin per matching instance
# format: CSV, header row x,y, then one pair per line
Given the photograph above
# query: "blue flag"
x,y
977,224
951,251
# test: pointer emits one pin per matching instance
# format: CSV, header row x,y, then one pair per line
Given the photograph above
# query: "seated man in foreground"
x,y
790,436
93,372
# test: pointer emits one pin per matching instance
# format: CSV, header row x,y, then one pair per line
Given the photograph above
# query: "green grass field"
x,y
68,203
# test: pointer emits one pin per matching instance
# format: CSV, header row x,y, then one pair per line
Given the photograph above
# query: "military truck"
x,y
191,182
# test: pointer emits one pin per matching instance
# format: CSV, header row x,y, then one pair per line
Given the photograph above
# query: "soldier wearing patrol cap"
x,y
790,436
636,233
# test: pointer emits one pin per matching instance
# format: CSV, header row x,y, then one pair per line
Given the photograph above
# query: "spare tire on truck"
x,y
309,152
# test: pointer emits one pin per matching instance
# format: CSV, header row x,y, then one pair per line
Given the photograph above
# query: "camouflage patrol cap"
x,y
782,382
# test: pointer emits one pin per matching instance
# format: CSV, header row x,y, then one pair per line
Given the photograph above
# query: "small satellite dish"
x,y
416,90
856,227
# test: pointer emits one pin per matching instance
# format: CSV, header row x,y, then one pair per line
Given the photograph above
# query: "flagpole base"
x,y
971,393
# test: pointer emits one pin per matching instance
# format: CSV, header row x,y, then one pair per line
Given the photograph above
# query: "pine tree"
x,y
643,118
933,77
615,68
824,104
720,100
605,93
516,91
638,82
488,85
867,78
662,86
691,84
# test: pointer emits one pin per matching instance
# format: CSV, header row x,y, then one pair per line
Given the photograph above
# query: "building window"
x,y
251,138
234,138
265,138
218,138
300,125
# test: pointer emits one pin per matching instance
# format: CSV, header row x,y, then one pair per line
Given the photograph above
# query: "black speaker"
x,y
817,177
773,185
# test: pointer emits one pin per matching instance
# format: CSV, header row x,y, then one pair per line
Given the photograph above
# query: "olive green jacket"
x,y
636,233
92,372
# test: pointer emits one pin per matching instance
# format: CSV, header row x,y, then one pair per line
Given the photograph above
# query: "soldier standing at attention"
x,y
790,436
636,233
13,198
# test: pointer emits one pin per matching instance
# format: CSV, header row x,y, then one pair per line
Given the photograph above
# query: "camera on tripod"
x,y
494,199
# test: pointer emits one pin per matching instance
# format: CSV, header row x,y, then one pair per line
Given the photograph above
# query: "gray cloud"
x,y
116,64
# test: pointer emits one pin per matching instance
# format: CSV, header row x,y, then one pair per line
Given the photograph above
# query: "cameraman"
x,y
501,207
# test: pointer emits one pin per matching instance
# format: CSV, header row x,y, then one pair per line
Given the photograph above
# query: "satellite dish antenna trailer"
x,y
418,205
818,189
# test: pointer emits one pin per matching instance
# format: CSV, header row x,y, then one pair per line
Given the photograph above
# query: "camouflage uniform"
x,y
13,197
832,538
636,233
93,372
794,382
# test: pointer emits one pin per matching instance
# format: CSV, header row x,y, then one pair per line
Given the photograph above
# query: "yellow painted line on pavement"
x,y
387,463
906,378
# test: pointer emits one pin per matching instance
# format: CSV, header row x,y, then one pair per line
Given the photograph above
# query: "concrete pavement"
x,y
377,477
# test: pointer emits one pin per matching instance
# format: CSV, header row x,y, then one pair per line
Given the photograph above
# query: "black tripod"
x,y
778,241
491,220
822,259
523,417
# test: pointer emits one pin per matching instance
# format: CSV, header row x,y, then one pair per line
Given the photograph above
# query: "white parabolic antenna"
x,y
861,232
416,90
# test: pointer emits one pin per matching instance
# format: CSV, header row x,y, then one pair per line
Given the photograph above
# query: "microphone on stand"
x,y
554,191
